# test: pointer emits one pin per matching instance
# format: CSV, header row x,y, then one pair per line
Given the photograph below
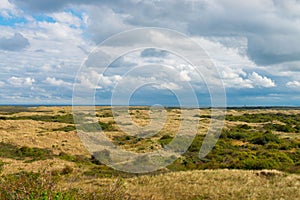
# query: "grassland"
x,y
256,157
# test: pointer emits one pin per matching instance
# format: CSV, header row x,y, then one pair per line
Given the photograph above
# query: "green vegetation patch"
x,y
97,126
34,153
68,119
242,147
21,153
65,128
265,117
287,128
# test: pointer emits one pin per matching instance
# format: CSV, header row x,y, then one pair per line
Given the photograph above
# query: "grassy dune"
x,y
256,157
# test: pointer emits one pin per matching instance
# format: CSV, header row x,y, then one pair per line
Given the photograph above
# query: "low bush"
x,y
65,128
287,128
97,126
34,153
264,138
1,165
68,119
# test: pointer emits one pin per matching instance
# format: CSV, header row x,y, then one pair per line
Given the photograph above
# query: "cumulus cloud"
x,y
21,82
235,79
240,79
56,82
261,81
95,80
15,43
293,84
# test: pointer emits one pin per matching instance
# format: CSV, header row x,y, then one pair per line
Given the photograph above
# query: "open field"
x,y
256,157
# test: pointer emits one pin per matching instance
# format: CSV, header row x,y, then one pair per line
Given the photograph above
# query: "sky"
x,y
48,48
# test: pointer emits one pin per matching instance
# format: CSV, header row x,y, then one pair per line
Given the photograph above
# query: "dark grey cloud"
x,y
40,6
44,5
151,52
14,43
56,5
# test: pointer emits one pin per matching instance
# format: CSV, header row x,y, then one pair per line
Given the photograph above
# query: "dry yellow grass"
x,y
216,184
205,184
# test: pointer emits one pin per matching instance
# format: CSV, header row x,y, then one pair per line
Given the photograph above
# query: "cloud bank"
x,y
255,46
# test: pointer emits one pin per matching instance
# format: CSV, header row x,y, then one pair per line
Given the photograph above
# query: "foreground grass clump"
x,y
26,185
205,184
45,185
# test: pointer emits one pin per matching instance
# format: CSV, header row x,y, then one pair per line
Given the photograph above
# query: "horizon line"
x,y
167,106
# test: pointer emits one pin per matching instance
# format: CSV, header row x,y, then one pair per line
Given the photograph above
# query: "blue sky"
x,y
254,45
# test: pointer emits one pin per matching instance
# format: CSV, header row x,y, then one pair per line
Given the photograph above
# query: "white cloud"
x,y
184,76
21,82
261,81
170,86
293,84
235,79
2,83
67,18
5,4
56,82
94,80
7,9
239,79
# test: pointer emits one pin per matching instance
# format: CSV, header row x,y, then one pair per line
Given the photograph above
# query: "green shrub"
x,y
265,138
1,165
105,114
34,153
265,117
20,153
68,119
65,128
97,126
8,150
256,163
243,126
279,127
237,135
